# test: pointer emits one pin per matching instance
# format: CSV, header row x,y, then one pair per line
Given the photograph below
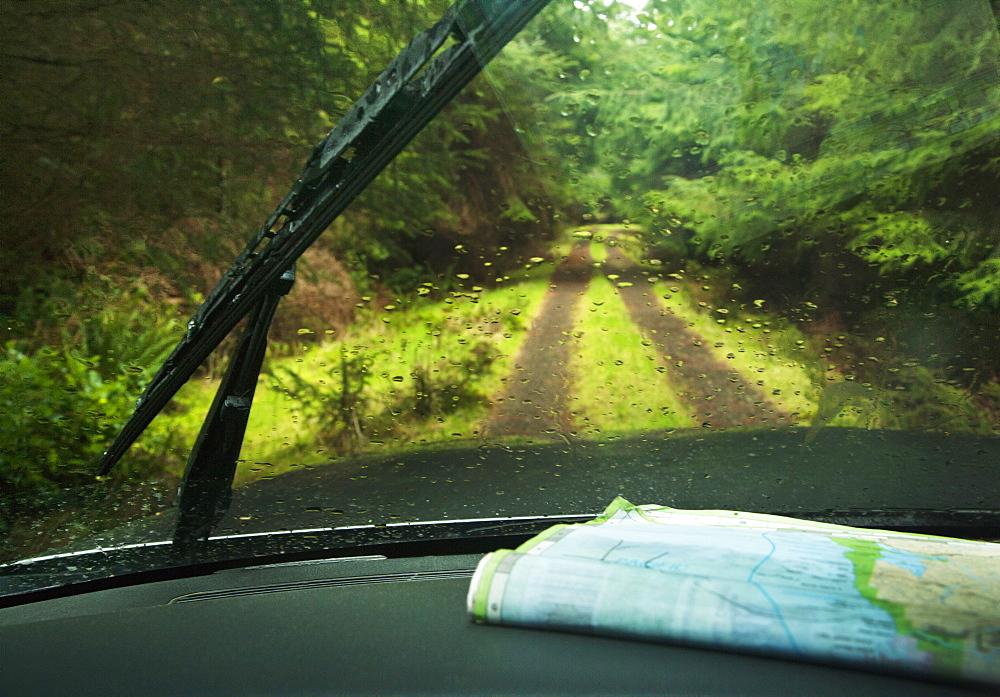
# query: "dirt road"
x,y
535,403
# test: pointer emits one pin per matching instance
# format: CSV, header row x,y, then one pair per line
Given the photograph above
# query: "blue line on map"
x,y
619,543
763,591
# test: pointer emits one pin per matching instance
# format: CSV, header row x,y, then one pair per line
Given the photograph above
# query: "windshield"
x,y
707,254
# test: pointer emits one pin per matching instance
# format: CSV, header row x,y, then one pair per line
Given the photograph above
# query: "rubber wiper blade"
x,y
971,523
423,78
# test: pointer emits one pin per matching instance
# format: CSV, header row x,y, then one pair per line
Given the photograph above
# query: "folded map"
x,y
885,600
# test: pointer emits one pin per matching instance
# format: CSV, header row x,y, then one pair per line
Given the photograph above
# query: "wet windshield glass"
x,y
700,253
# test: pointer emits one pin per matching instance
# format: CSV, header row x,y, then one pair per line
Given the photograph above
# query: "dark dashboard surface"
x,y
362,625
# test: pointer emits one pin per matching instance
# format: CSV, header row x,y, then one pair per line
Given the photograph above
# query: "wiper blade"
x,y
57,575
968,523
971,523
422,79
39,578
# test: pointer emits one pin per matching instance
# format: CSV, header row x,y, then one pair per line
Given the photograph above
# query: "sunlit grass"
x,y
598,253
620,385
432,336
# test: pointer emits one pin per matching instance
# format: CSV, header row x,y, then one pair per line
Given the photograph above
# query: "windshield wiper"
x,y
421,80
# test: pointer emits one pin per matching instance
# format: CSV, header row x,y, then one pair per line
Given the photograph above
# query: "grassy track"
x,y
621,384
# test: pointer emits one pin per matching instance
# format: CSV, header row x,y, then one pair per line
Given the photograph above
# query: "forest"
x,y
828,171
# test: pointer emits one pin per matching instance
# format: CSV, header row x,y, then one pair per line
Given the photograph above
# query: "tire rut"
x,y
718,395
536,400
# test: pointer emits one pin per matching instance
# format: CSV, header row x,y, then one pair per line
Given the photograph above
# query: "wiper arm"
x,y
403,99
206,489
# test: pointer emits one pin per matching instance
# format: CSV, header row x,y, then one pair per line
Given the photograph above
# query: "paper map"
x,y
892,601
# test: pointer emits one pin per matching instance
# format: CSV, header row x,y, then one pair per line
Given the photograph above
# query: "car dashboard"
x,y
362,625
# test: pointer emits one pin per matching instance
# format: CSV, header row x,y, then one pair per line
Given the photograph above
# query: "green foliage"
x,y
752,131
121,119
920,401
981,285
136,141
63,405
143,144
396,386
